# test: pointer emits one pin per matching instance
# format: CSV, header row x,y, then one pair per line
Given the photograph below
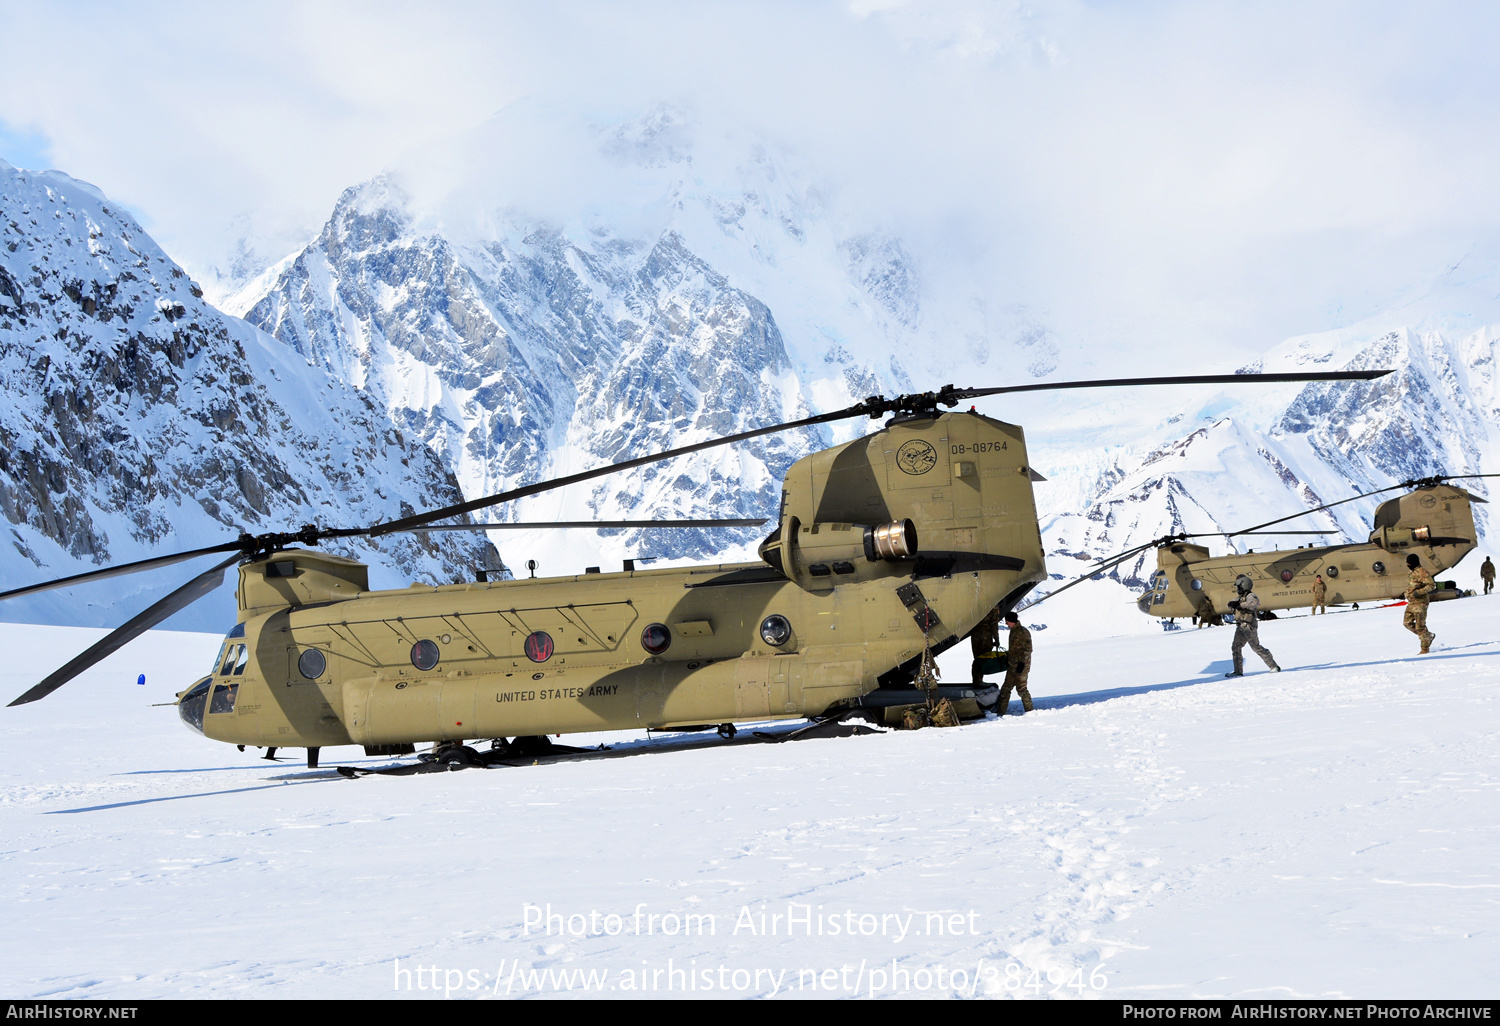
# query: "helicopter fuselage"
x,y
1436,524
885,545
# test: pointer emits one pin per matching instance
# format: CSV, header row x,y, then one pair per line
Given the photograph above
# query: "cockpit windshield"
x,y
232,658
190,709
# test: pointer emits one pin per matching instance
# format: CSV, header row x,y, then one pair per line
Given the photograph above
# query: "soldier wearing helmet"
x,y
1247,627
1419,589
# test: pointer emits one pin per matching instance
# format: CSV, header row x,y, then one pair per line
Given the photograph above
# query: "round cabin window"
x,y
539,646
656,639
1286,576
776,630
1378,567
424,654
1197,584
311,664
1332,571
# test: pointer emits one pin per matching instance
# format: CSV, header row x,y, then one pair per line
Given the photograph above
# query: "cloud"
x,y
1222,171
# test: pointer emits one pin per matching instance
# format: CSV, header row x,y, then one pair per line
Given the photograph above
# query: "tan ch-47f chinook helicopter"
x,y
1434,521
886,547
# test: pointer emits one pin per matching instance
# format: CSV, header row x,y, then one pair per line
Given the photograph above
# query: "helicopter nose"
x,y
190,706
1144,603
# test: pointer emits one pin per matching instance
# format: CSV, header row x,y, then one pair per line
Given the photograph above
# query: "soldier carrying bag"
x,y
993,662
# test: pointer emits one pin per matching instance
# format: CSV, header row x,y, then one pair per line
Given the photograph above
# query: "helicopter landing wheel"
x,y
459,758
456,757
727,731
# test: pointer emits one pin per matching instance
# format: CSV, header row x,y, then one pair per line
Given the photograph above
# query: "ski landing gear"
x,y
455,755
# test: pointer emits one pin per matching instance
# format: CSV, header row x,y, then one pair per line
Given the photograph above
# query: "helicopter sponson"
x,y
897,541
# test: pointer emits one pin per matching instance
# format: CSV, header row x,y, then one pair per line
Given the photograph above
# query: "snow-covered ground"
x,y
1152,830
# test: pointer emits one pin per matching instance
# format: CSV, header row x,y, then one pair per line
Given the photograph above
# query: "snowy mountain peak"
x,y
141,419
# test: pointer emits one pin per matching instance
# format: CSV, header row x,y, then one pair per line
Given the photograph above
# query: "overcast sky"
x,y
1257,168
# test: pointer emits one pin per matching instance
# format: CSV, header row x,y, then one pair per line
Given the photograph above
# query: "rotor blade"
x,y
1233,534
581,524
413,522
1120,557
871,407
1189,379
1318,509
124,568
139,624
1413,483
1079,580
1167,539
1454,477
1056,591
1110,562
1227,534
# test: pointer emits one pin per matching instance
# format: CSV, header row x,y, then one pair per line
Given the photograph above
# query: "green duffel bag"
x,y
993,662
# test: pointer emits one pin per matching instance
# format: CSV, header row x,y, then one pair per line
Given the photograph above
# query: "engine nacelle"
x,y
821,555
1393,538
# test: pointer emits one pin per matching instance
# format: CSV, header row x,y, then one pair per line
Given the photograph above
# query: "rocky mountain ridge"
x,y
719,296
139,419
1438,413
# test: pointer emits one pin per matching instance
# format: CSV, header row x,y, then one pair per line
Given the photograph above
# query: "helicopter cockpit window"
x,y
190,709
1161,583
312,663
242,657
227,663
424,654
656,639
223,700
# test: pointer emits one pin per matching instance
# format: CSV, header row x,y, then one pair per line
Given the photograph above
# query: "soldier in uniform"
x,y
1320,596
1419,589
1487,574
1018,654
984,639
1247,627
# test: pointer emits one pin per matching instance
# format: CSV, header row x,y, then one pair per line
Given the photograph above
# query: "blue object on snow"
x,y
141,680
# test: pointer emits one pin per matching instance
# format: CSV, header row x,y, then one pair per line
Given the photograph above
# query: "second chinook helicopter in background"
x,y
1434,521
